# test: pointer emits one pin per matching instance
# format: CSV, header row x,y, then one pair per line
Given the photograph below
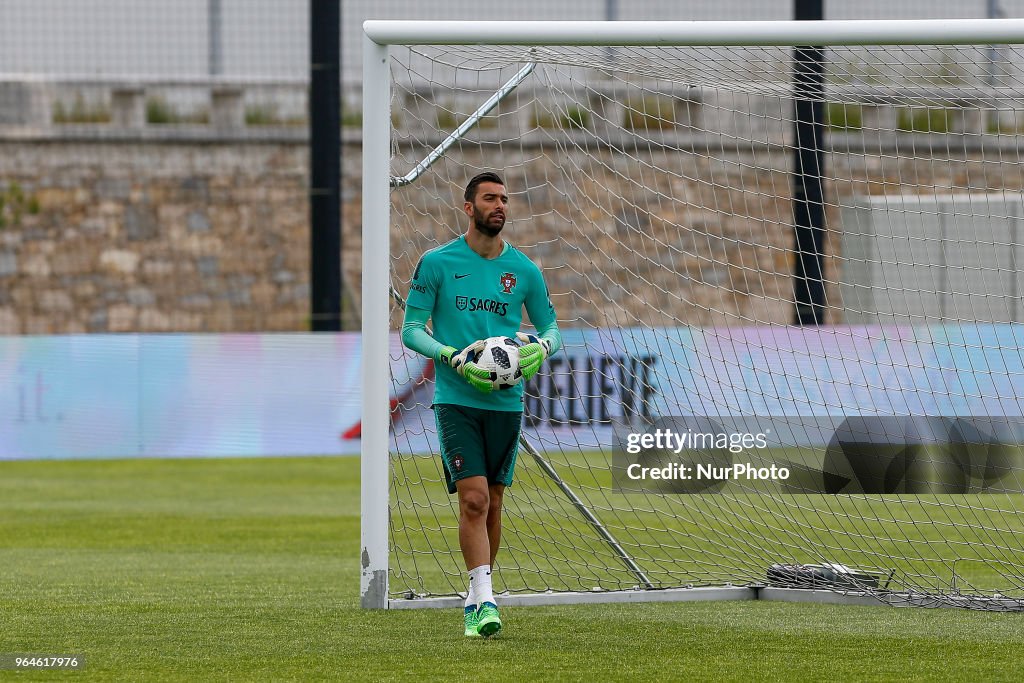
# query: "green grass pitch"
x,y
248,570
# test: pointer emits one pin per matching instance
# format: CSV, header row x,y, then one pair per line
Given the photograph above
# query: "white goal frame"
x,y
376,182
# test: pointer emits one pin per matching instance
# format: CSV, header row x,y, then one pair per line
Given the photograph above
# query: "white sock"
x,y
471,596
480,584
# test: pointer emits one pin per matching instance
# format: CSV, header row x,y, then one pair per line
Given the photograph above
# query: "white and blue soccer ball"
x,y
500,357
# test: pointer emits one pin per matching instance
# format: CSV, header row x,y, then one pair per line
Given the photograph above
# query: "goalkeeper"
x,y
472,288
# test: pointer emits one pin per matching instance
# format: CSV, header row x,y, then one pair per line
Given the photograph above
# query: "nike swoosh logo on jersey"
x,y
459,277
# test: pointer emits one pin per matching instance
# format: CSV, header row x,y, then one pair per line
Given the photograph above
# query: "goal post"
x,y
709,33
649,168
376,317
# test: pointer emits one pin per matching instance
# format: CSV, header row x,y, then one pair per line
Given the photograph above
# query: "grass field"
x,y
247,570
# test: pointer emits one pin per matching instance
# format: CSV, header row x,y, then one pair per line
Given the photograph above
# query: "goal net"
x,y
811,253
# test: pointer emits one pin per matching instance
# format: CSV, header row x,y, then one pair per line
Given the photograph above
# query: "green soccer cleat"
x,y
472,622
488,621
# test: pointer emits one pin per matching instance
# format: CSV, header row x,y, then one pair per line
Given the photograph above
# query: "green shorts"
x,y
477,443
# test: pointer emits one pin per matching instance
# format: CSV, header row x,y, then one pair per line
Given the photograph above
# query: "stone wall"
x,y
153,237
151,234
663,237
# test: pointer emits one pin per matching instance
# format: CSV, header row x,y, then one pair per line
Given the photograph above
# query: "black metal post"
x,y
808,167
325,165
215,37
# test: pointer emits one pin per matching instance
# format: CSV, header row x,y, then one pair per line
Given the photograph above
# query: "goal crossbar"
x,y
703,33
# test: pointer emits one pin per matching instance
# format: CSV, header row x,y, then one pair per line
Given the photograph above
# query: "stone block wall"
x,y
205,235
664,237
151,237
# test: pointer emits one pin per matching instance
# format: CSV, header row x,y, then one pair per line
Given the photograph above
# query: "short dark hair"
x,y
485,177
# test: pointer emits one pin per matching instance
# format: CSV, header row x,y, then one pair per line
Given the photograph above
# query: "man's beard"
x,y
484,227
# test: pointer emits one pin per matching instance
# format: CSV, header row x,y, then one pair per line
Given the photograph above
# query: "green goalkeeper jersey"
x,y
469,298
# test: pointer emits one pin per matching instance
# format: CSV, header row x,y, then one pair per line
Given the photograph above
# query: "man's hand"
x,y
531,354
446,355
460,362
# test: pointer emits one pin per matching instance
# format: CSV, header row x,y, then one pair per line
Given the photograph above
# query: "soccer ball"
x,y
500,356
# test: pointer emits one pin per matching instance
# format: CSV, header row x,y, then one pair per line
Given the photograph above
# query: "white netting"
x,y
654,187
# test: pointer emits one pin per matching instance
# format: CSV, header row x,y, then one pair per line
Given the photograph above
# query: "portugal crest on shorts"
x,y
508,281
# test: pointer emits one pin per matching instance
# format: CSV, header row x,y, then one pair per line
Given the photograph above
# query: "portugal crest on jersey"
x,y
508,281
